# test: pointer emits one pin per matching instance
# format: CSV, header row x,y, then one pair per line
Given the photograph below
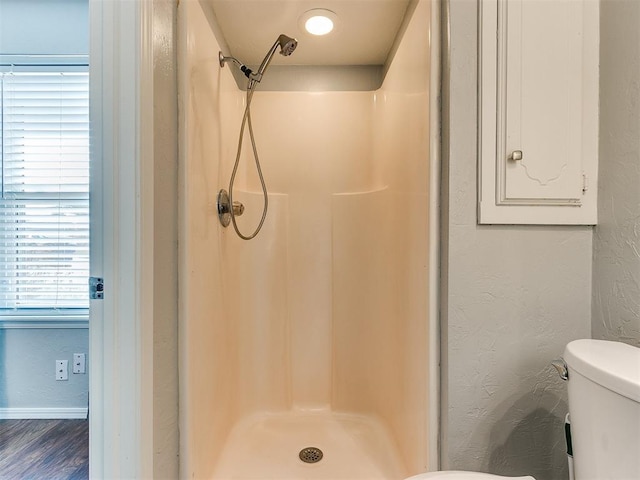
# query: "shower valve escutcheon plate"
x,y
224,208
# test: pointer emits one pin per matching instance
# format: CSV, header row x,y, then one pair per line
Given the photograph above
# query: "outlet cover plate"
x,y
79,364
62,370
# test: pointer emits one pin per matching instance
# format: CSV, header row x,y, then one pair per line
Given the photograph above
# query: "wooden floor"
x,y
44,449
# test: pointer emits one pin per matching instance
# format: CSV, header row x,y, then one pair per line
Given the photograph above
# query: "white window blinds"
x,y
44,209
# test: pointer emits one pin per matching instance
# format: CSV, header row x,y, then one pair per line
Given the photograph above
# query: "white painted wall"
x,y
39,27
515,295
27,356
616,245
27,371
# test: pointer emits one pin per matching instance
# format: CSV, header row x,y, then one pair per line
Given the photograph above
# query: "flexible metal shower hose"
x,y
246,120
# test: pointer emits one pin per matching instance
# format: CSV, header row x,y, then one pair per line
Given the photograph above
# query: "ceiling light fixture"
x,y
318,21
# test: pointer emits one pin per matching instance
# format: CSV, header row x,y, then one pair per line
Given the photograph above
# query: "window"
x,y
44,204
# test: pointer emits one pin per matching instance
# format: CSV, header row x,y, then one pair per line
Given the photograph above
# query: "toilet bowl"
x,y
460,475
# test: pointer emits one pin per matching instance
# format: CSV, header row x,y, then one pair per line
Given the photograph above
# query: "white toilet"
x,y
604,404
459,475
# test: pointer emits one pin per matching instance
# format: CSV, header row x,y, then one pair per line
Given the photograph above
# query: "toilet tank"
x,y
604,404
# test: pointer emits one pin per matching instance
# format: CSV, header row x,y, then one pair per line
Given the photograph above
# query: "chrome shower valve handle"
x,y
238,208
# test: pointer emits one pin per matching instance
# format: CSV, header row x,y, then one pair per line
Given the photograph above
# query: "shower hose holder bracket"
x,y
224,208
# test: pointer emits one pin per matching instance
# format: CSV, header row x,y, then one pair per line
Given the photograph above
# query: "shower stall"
x,y
310,350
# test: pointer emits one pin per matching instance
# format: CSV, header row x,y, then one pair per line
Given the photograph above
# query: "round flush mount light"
x,y
318,21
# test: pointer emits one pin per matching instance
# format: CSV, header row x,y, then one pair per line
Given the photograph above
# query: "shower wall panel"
x,y
256,293
208,346
311,145
401,148
324,315
367,331
314,142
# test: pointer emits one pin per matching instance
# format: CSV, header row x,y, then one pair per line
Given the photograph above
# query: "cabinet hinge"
x,y
96,288
585,183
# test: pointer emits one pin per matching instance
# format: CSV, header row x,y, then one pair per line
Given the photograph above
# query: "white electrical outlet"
x,y
79,365
62,369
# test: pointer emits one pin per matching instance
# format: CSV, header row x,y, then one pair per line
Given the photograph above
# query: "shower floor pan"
x,y
353,447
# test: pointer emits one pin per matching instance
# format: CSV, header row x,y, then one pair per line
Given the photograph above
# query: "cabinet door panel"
x,y
543,99
538,131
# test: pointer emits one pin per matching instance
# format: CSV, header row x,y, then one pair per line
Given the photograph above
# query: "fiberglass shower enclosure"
x,y
316,333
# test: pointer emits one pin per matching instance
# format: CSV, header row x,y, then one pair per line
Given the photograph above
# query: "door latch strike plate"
x,y
96,288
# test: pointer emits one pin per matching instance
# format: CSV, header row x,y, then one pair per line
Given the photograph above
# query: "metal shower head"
x,y
287,45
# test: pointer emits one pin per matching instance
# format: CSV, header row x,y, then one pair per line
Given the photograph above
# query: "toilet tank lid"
x,y
614,365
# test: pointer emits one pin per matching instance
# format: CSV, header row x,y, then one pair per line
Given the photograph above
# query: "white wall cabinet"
x,y
538,112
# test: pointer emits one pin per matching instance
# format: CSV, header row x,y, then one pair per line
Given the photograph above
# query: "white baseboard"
x,y
42,413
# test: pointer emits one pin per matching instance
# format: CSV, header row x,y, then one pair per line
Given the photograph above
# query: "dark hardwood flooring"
x,y
44,449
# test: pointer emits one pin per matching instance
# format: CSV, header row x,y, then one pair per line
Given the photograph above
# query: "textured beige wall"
x,y
165,266
516,295
616,245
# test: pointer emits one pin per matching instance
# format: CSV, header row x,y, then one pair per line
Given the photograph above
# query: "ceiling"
x,y
365,30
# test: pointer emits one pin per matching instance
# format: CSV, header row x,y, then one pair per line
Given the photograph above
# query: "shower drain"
x,y
310,455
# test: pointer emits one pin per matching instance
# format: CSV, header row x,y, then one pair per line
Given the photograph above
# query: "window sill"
x,y
44,320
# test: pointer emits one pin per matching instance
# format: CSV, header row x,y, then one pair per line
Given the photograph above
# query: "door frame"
x,y
122,179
